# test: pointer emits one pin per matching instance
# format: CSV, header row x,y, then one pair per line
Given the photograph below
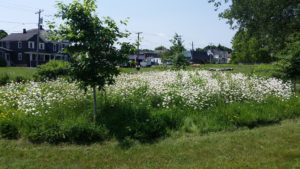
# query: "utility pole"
x,y
138,45
38,36
192,46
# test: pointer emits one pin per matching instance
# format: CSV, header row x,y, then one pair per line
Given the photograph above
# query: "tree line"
x,y
267,31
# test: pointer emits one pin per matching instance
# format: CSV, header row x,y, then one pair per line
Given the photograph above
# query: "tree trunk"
x,y
95,104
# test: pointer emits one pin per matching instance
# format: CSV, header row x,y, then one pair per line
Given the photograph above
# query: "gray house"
x,y
218,56
20,49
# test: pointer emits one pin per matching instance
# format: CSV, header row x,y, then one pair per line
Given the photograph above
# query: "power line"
x,y
16,8
23,23
21,5
38,35
138,45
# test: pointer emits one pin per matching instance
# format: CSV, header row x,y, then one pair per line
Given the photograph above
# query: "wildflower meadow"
x,y
143,106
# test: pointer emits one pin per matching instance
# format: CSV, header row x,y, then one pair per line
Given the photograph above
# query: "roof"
x,y
200,57
25,36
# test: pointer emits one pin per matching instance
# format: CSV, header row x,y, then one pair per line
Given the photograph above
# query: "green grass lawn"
x,y
260,69
13,72
273,147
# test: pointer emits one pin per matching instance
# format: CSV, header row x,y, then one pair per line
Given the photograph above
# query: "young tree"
x,y
3,34
177,44
176,52
93,44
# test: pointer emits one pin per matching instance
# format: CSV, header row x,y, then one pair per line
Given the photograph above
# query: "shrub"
x,y
41,131
85,133
290,58
4,79
127,121
20,79
180,61
62,124
8,129
2,62
52,70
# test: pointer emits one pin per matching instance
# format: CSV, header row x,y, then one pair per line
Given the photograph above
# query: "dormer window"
x,y
42,46
31,45
20,45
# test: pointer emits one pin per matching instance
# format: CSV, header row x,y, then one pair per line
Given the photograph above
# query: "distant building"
x,y
188,55
146,58
20,49
5,55
218,56
200,57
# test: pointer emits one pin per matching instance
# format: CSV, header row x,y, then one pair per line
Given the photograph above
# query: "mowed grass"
x,y
272,147
261,69
265,70
14,72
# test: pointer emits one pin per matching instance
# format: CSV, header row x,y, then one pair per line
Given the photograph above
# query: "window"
x,y
41,46
20,57
20,45
31,45
54,47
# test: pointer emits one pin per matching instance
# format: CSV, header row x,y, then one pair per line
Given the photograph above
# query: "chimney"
x,y
41,27
24,31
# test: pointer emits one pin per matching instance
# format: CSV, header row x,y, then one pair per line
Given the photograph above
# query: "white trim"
x,y
31,45
42,46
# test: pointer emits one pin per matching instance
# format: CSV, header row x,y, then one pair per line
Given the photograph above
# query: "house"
x,y
218,56
200,57
188,55
20,49
5,55
146,58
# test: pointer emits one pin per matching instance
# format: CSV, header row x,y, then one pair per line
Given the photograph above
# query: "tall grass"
x,y
58,112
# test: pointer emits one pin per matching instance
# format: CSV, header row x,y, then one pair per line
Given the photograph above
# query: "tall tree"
x,y
177,44
161,48
176,52
269,22
3,34
93,44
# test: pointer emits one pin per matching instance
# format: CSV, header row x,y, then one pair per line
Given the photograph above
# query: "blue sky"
x,y
195,20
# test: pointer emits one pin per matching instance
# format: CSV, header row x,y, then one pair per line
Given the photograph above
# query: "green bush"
x,y
289,64
8,129
85,133
64,123
20,79
180,61
4,79
2,62
41,131
127,121
52,70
